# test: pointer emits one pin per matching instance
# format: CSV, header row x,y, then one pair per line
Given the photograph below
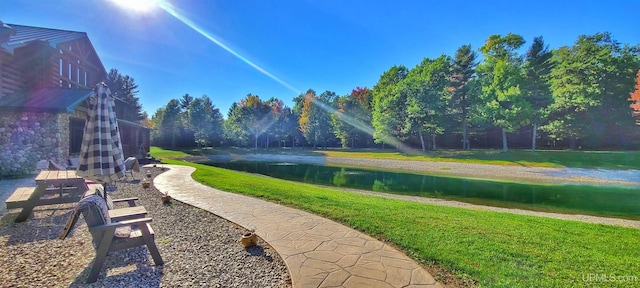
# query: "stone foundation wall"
x,y
28,137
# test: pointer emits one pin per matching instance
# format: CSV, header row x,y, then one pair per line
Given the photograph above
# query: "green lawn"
x,y
495,249
541,158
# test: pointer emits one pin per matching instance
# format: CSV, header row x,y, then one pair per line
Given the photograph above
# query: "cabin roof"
x,y
26,34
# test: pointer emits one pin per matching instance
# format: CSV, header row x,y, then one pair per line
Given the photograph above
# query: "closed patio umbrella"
x,y
101,157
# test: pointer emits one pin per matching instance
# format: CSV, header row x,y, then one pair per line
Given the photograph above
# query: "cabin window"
x,y
70,74
61,66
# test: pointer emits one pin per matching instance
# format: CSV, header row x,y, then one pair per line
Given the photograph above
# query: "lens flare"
x,y
362,126
137,6
145,5
175,13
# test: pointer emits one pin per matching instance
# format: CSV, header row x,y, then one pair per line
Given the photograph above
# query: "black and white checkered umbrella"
x,y
101,151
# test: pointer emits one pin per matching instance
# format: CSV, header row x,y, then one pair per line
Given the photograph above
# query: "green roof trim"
x,y
53,100
132,124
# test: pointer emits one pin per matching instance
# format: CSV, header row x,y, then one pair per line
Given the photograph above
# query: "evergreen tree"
x,y
205,120
464,65
125,90
536,87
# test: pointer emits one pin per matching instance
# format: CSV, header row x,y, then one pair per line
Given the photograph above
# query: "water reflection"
x,y
595,200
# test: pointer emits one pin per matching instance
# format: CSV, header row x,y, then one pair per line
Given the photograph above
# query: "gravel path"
x,y
199,250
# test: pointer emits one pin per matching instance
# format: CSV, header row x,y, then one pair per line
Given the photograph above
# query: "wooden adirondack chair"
x,y
111,237
115,214
118,214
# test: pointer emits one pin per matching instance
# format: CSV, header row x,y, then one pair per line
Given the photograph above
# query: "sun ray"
x,y
362,126
137,6
167,7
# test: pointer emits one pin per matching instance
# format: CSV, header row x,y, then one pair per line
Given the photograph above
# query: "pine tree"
x,y
464,67
536,88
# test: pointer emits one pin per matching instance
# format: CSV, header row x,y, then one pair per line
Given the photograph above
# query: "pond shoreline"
x,y
495,172
535,175
478,171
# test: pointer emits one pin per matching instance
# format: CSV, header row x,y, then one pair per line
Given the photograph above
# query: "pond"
x,y
612,201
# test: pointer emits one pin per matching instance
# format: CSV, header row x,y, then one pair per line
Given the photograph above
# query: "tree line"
x,y
579,96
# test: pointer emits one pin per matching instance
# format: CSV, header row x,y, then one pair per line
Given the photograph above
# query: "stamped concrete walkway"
x,y
317,251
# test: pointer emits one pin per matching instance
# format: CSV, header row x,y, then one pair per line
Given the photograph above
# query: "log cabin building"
x,y
46,76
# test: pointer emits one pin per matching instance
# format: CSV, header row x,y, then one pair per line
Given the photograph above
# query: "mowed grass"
x,y
495,249
541,158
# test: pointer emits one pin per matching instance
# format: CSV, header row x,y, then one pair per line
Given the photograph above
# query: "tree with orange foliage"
x,y
315,119
351,123
635,96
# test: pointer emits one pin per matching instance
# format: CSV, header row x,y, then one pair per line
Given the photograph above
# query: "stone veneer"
x,y
28,137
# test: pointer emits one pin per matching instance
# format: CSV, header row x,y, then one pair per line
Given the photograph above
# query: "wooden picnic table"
x,y
52,187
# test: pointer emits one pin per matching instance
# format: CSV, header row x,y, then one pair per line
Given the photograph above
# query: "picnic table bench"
x,y
19,197
52,187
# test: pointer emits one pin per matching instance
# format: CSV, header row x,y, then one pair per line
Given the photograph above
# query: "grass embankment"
x,y
496,249
541,158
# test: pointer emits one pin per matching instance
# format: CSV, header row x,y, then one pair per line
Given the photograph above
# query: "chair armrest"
x,y
130,200
115,225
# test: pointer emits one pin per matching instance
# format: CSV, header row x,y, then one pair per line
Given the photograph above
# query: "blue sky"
x,y
332,45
